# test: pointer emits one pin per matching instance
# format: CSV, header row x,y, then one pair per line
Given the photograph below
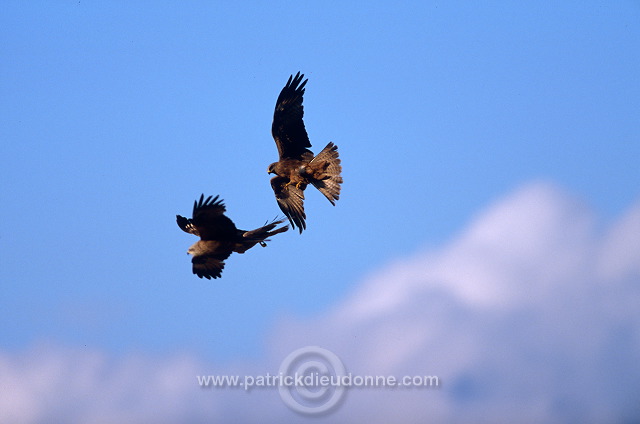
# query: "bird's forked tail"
x,y
259,235
326,172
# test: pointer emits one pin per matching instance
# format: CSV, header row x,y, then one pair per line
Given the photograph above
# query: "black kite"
x,y
297,166
219,236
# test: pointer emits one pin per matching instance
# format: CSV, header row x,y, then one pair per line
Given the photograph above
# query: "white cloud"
x,y
529,315
51,384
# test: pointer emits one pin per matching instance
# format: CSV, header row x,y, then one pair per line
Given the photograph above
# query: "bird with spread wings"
x,y
219,236
297,166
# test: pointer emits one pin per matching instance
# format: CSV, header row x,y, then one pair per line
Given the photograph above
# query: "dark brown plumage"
x,y
219,236
297,166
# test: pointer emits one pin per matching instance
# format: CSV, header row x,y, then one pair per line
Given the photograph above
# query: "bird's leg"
x,y
298,184
263,244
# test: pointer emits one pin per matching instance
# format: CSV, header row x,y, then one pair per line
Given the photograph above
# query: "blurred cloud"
x,y
530,314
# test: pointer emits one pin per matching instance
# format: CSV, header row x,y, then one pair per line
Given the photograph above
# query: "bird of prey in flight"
x,y
219,236
297,166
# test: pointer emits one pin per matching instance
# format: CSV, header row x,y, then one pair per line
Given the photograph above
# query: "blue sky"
x,y
115,117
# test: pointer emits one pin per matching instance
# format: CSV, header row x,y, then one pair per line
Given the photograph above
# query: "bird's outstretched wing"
x,y
291,201
186,225
209,221
209,265
288,127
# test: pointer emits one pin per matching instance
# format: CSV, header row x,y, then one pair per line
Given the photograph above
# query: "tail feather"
x,y
259,235
326,172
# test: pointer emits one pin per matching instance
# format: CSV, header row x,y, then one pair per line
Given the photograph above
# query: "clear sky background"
x,y
514,124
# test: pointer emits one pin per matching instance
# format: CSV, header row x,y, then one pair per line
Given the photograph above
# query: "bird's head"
x,y
272,168
196,249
